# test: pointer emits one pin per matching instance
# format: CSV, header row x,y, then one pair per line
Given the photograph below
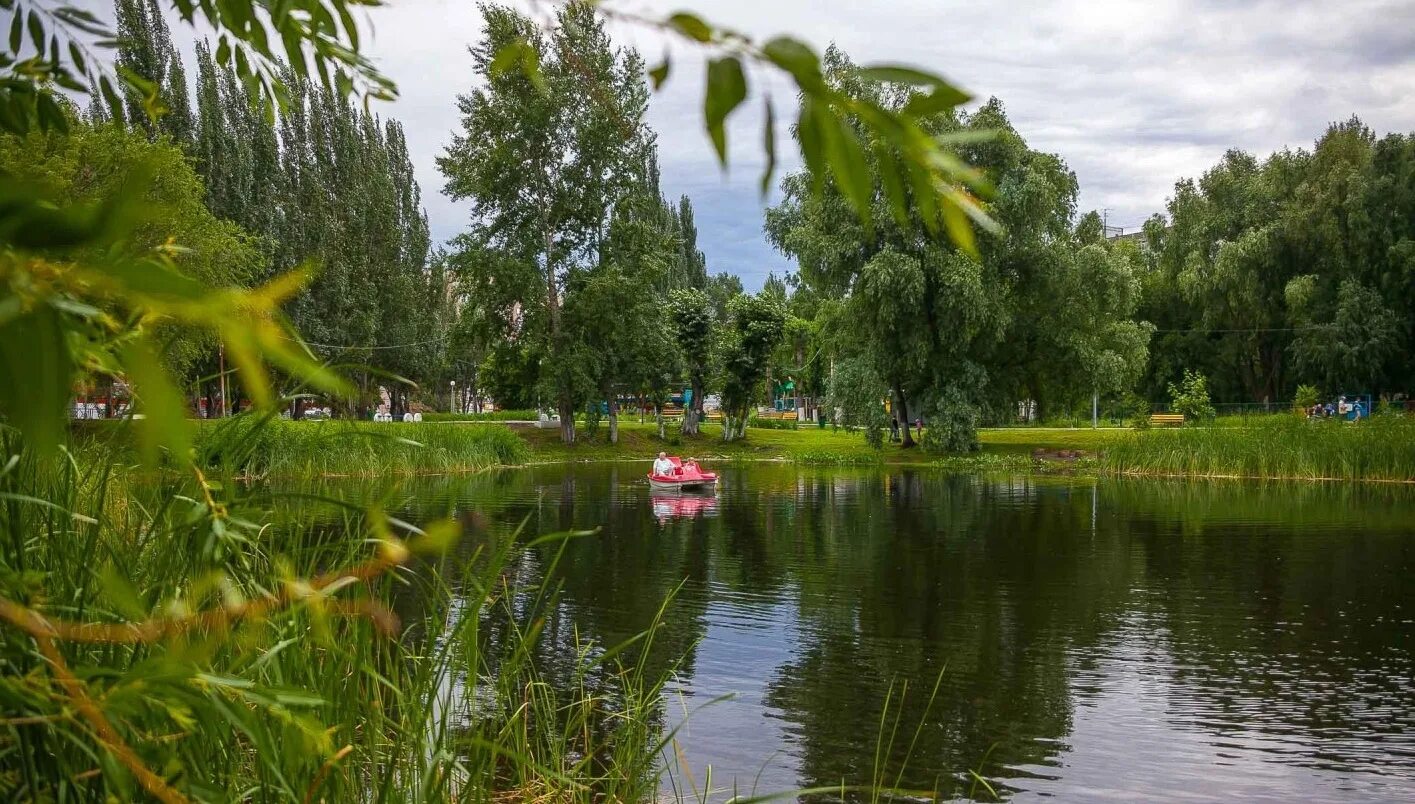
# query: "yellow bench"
x,y
1166,419
789,416
714,415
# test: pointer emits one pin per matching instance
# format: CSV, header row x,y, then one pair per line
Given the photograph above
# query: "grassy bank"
x,y
1277,447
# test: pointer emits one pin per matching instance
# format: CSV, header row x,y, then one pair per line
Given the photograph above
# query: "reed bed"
x,y
1381,448
282,448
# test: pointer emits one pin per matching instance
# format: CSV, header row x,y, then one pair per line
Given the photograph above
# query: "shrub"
x,y
1191,397
952,424
1305,397
772,424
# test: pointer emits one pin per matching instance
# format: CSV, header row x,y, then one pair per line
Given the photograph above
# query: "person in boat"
x,y
662,466
690,465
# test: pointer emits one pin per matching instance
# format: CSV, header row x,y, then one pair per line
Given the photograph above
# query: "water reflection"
x,y
682,506
1128,640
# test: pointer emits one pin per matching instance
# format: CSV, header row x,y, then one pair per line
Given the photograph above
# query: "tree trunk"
x,y
693,415
566,409
552,306
613,420
902,411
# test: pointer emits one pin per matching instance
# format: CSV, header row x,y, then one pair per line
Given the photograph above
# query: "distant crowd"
x,y
1354,410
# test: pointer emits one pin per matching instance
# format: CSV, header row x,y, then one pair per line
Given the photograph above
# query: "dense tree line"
x,y
579,284
1295,269
320,184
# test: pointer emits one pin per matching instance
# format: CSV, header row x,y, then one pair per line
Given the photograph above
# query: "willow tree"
x,y
544,155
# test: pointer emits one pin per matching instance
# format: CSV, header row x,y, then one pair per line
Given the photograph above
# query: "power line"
x,y
1249,329
373,348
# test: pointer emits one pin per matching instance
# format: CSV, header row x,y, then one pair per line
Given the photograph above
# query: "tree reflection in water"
x,y
1260,627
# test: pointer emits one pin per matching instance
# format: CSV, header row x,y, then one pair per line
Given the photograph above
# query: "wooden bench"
x,y
789,416
713,415
1166,419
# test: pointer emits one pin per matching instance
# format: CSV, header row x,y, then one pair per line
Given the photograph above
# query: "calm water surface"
x,y
1089,640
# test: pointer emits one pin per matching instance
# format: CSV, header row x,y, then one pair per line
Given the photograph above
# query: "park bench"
x,y
789,416
1166,419
714,415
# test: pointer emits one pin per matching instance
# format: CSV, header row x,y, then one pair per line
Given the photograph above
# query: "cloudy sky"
x,y
1131,94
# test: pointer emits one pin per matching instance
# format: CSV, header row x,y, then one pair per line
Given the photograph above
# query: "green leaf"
x,y
769,145
17,32
519,55
51,117
115,105
121,594
812,142
925,194
798,59
726,89
36,32
846,157
659,74
36,370
76,55
691,26
892,183
164,422
960,231
942,99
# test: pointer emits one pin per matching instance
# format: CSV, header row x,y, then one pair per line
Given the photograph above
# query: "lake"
x,y
1057,637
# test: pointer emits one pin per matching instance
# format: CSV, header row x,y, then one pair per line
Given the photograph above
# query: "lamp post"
x,y
452,396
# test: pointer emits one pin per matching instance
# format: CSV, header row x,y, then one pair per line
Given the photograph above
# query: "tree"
x,y
1191,397
1258,260
857,394
545,157
691,265
691,310
941,325
161,105
757,324
1354,350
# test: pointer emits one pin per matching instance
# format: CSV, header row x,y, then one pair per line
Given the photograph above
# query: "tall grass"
x,y
279,447
178,648
1379,448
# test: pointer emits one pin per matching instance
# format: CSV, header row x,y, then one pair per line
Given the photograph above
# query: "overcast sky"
x,y
1132,95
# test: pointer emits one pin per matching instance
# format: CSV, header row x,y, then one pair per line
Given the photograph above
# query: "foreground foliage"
x,y
163,641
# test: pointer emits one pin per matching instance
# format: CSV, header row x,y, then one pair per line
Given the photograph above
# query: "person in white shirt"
x,y
662,466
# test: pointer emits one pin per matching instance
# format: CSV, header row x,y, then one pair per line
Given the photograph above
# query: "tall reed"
x,y
1280,446
279,447
181,647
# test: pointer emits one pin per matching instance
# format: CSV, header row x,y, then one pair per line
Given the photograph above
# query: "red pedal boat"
x,y
686,477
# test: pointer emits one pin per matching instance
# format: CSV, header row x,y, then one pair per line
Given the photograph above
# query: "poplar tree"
x,y
146,50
